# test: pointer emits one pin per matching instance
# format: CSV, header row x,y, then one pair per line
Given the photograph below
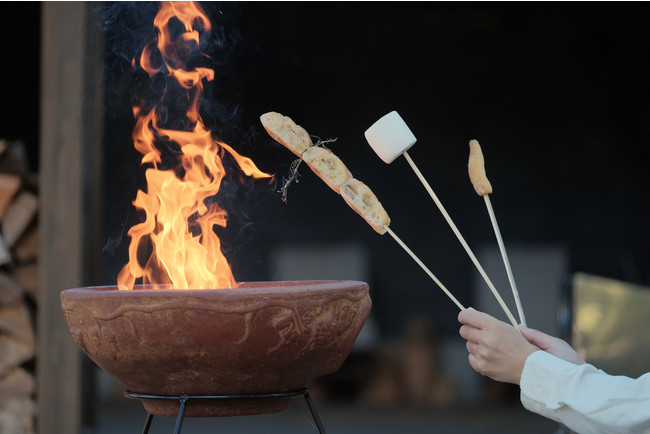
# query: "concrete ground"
x,y
128,416
476,409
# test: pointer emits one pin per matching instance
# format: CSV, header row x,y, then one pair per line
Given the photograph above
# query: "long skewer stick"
x,y
424,267
461,239
482,186
506,262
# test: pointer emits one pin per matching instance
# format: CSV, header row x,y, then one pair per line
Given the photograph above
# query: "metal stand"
x,y
184,398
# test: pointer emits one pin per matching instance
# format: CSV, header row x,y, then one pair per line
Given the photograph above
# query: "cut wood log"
x,y
10,290
5,254
16,383
16,322
19,247
27,277
14,159
13,353
18,216
17,417
26,248
9,185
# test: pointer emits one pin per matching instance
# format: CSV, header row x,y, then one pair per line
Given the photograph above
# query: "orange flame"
x,y
179,205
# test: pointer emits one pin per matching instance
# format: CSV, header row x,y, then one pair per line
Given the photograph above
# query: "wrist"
x,y
525,355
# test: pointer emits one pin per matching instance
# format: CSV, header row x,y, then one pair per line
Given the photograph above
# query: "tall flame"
x,y
179,205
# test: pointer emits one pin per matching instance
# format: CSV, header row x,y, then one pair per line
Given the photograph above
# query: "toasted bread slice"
x,y
476,169
361,199
327,166
286,132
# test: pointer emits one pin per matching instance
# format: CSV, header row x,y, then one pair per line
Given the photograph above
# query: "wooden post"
x,y
70,136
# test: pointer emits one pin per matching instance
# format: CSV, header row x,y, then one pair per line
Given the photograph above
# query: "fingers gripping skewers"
x,y
390,137
334,173
476,169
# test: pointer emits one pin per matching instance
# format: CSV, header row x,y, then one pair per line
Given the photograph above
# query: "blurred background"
x,y
557,95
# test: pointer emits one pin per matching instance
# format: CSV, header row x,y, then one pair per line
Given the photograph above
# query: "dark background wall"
x,y
557,94
20,74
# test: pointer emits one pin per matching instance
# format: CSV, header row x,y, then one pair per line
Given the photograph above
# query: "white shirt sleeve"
x,y
585,399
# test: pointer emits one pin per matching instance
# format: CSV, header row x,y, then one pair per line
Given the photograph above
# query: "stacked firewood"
x,y
18,289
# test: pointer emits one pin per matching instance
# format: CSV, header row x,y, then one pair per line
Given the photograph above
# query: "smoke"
x,y
225,110
127,26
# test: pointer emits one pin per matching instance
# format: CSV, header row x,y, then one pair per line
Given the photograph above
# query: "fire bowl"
x,y
258,338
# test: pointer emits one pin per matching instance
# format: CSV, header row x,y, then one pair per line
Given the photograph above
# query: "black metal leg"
x,y
181,415
147,423
314,413
184,398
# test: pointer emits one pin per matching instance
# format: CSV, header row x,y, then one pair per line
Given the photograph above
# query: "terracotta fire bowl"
x,y
258,338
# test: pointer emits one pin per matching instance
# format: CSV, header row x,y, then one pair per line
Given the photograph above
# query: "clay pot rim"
x,y
242,289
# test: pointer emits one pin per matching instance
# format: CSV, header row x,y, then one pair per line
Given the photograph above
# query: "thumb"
x,y
537,338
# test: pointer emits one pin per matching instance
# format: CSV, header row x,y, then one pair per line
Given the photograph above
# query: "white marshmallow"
x,y
390,136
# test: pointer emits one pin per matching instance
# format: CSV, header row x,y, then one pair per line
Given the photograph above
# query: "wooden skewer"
x,y
482,186
506,262
461,239
424,267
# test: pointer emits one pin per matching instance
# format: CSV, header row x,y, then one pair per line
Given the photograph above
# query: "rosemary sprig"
x,y
295,165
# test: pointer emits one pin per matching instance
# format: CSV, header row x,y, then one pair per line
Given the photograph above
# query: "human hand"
x,y
496,349
552,345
